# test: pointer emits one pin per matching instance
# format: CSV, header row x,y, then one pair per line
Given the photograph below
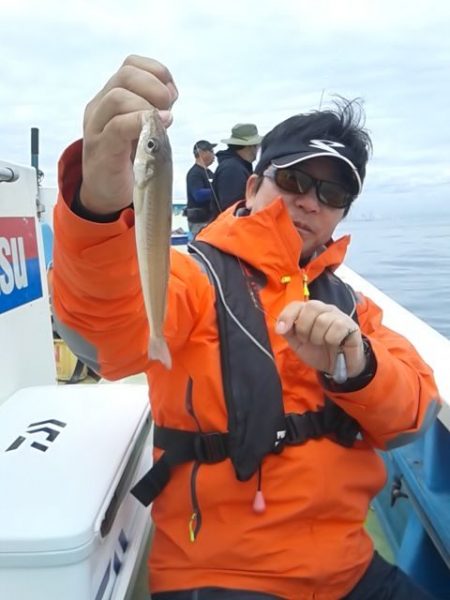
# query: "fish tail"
x,y
159,350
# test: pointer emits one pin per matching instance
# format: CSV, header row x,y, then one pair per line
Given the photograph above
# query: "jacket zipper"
x,y
305,286
195,521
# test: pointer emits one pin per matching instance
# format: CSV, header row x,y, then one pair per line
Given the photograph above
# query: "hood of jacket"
x,y
228,154
268,241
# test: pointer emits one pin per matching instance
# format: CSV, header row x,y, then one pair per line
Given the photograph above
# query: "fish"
x,y
340,368
152,200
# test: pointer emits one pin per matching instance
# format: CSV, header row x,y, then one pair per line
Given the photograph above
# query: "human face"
x,y
295,181
207,157
248,153
253,151
314,221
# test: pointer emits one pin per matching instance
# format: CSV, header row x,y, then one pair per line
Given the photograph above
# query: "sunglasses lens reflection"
x,y
295,181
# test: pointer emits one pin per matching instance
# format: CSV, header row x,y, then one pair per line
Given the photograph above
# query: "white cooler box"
x,y
69,528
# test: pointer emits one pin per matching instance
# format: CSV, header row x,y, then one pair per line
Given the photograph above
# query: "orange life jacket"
x,y
250,380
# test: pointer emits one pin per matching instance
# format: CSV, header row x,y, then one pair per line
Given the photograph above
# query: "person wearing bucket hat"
x,y
199,186
234,166
285,382
243,134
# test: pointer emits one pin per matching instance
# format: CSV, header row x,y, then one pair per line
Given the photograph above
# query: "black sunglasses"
x,y
294,181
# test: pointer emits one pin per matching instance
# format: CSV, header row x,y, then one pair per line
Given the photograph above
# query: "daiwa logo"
x,y
20,278
327,145
51,427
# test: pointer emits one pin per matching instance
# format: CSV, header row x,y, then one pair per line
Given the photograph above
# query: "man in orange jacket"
x,y
284,380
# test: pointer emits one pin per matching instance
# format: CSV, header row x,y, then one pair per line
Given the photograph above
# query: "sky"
x,y
237,61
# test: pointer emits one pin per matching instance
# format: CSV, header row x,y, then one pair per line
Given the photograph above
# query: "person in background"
x,y
199,187
284,382
234,166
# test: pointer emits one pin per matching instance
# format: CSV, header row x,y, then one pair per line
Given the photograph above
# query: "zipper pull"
x,y
305,287
192,524
259,503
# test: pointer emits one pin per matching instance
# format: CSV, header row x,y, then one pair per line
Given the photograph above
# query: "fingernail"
x,y
280,327
166,117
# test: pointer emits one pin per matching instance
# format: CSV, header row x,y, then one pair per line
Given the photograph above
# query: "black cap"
x,y
288,150
204,145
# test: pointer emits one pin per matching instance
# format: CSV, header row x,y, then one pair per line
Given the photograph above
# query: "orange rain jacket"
x,y
310,542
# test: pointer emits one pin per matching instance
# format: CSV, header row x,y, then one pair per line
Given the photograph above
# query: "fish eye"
x,y
152,145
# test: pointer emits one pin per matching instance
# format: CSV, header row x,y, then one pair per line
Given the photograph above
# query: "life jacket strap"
x,y
212,447
182,446
153,482
331,422
179,447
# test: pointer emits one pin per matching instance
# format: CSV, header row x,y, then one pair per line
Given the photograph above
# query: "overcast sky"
x,y
237,61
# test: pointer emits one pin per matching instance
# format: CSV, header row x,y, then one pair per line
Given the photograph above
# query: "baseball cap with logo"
x,y
243,134
287,151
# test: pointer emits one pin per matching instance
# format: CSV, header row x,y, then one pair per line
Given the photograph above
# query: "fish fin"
x,y
159,350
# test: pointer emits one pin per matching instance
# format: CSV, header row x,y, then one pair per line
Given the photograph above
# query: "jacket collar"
x,y
268,241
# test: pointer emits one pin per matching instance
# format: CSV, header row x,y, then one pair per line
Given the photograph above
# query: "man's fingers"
x,y
347,336
319,327
301,317
155,68
317,323
115,103
318,332
137,94
147,80
287,317
338,334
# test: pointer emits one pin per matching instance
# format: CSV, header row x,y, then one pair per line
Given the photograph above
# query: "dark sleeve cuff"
x,y
81,211
353,384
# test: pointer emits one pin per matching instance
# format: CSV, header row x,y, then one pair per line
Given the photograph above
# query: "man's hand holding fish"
x,y
112,125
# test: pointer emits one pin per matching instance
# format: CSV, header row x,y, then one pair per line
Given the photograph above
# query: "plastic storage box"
x,y
69,528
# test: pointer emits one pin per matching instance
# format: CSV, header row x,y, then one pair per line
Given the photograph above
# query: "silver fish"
x,y
152,199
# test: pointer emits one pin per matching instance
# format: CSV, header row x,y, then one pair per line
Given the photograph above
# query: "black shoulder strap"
x,y
251,383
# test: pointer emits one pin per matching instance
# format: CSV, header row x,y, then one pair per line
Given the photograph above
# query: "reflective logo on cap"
x,y
327,145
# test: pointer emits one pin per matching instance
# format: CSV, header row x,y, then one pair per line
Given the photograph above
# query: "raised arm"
x,y
96,290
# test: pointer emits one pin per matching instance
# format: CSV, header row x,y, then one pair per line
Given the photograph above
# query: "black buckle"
x,y
211,447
